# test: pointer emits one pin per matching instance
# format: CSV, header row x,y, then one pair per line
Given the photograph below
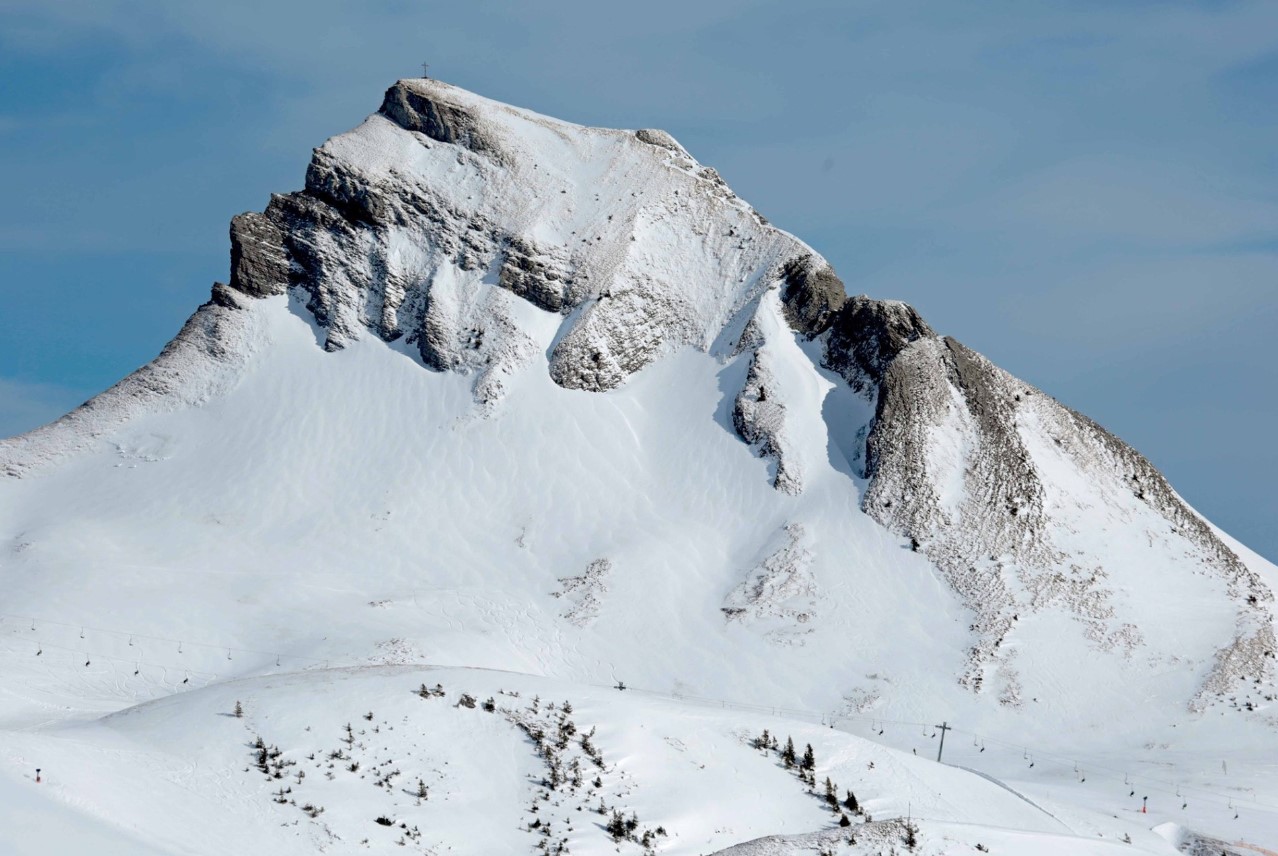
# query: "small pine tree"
x,y
843,820
809,759
239,710
831,796
616,826
911,835
850,802
422,791
787,754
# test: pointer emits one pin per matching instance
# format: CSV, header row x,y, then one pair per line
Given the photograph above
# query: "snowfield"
x,y
529,411
452,777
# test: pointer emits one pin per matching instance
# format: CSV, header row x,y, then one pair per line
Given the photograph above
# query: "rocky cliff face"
x,y
481,237
409,224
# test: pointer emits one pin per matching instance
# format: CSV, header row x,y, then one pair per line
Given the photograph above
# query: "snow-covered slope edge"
x,y
203,361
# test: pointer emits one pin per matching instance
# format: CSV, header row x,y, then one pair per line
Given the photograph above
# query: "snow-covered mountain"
x,y
496,391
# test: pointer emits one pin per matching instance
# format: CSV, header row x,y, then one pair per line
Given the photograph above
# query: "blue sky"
x,y
1086,192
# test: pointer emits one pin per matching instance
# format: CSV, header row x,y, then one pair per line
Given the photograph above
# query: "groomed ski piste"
x,y
319,532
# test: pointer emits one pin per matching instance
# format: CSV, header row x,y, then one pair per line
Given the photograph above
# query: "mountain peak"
x,y
602,285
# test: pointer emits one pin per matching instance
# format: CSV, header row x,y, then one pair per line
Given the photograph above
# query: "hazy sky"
x,y
1086,192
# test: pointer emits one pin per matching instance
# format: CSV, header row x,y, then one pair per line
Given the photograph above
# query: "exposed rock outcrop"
x,y
661,139
866,335
759,417
541,277
259,265
430,112
812,294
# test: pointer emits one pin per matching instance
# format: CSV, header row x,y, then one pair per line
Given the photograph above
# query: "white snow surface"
x,y
315,533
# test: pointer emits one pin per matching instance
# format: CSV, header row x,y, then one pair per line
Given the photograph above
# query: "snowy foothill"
x,y
365,759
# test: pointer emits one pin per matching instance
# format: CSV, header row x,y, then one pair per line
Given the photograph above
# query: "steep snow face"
x,y
533,389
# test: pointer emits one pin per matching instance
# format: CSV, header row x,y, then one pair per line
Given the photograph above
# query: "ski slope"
x,y
181,774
